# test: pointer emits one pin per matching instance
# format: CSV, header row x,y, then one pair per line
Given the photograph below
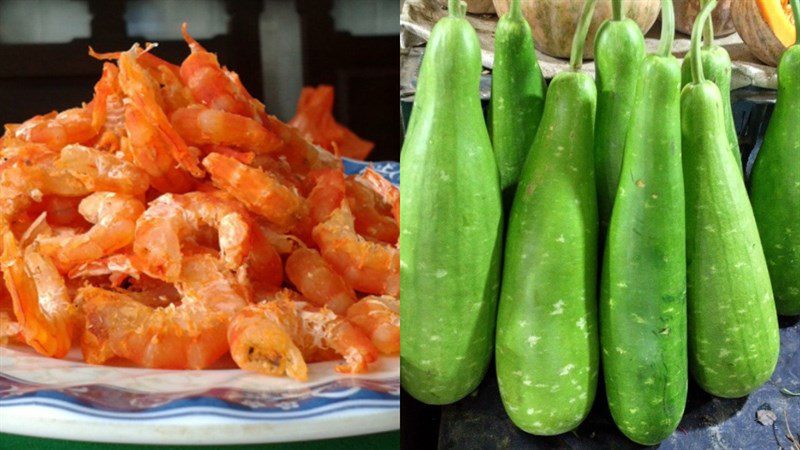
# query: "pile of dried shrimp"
x,y
170,221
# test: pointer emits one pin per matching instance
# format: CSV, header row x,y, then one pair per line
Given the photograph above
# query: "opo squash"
x,y
546,352
450,222
775,185
733,326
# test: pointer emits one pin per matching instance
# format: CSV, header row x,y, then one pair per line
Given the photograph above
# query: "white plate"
x,y
68,399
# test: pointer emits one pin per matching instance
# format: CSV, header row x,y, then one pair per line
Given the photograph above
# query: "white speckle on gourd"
x,y
558,308
566,370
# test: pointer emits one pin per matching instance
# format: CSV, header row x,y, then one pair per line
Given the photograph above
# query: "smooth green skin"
x,y
733,327
517,101
717,68
451,224
775,187
618,50
546,352
643,289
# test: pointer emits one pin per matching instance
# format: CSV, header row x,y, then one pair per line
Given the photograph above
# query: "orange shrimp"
x,y
372,219
41,302
191,335
261,340
264,264
279,336
199,125
117,268
150,151
101,171
173,93
143,93
114,218
73,126
327,194
105,87
301,155
315,120
215,86
368,267
171,218
27,175
146,59
259,191
379,317
318,282
389,192
245,157
61,211
284,244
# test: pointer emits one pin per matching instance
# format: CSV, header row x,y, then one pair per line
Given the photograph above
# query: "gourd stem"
x,y
457,8
616,7
708,32
579,40
667,28
796,11
699,23
515,10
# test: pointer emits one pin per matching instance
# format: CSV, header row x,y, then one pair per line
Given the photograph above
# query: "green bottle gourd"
x,y
733,327
450,222
518,91
775,183
618,52
546,351
716,68
643,288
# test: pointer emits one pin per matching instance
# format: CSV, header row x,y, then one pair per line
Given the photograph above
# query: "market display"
x,y
171,220
687,269
450,223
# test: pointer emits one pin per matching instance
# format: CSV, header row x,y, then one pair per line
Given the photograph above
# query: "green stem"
x,y
667,28
515,10
616,7
796,12
457,8
708,32
579,40
699,23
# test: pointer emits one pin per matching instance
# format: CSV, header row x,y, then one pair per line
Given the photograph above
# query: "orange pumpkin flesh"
x,y
766,26
778,15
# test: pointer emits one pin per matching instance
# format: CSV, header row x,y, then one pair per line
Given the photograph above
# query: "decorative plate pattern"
x,y
68,399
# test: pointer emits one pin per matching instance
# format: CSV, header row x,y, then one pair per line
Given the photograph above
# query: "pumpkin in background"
x,y
766,26
475,6
553,22
687,10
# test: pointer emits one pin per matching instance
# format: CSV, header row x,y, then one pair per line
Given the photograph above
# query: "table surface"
x,y
377,441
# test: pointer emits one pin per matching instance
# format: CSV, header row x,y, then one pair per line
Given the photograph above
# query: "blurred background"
x,y
276,47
